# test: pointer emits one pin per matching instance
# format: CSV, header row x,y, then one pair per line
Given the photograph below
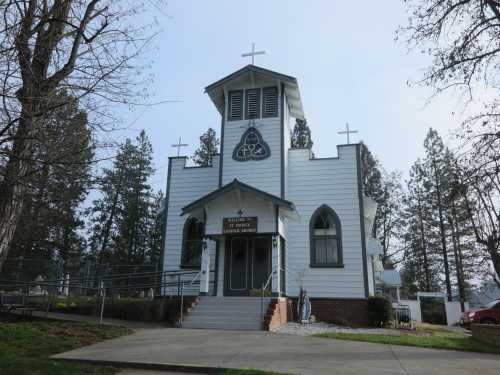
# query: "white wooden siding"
x,y
186,185
220,276
287,142
228,206
262,174
312,183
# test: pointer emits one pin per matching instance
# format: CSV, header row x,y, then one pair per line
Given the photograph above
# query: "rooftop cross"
x,y
253,53
179,145
347,131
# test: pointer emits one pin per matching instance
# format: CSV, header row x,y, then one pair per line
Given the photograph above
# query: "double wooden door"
x,y
247,264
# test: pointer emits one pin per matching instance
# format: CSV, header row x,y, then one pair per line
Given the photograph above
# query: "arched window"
x,y
326,243
192,243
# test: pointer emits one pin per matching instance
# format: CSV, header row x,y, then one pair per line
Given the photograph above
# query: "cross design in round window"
x,y
251,146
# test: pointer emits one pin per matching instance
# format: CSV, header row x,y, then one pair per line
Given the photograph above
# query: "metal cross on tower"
x,y
179,145
253,53
347,132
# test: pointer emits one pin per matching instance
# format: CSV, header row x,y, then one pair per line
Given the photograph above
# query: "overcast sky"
x,y
348,66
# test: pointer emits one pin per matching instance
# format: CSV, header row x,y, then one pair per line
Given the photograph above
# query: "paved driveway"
x,y
281,353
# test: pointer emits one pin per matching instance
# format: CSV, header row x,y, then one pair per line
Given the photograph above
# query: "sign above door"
x,y
238,225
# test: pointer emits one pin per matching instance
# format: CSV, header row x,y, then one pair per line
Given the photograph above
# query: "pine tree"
x,y
121,218
49,231
386,190
301,136
439,234
371,177
439,182
418,260
209,146
388,221
157,229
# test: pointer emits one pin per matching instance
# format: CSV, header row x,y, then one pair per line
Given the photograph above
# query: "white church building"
x,y
266,214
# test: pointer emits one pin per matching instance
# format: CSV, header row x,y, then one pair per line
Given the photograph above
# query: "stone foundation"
x,y
342,311
487,333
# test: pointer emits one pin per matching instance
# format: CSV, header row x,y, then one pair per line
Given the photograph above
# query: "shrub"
x,y
379,311
258,293
164,310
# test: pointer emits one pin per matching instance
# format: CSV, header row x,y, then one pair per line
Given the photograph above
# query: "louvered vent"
x,y
235,105
270,99
252,104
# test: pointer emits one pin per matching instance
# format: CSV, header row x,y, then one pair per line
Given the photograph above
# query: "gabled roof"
x,y
237,185
247,69
216,89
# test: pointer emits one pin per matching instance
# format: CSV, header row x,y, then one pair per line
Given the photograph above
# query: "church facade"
x,y
265,214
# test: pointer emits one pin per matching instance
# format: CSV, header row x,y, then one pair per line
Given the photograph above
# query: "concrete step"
x,y
225,313
243,313
232,301
228,308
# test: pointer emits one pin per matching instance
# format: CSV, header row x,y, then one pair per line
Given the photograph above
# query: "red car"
x,y
487,315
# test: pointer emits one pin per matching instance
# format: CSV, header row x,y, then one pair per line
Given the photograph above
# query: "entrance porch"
x,y
243,241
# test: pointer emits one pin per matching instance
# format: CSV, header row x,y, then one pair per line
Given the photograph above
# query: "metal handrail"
x,y
194,279
182,295
264,286
26,285
109,277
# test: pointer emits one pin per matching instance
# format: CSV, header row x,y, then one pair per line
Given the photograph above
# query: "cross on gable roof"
x,y
216,89
237,185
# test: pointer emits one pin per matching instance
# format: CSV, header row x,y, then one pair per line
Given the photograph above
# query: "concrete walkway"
x,y
212,349
149,372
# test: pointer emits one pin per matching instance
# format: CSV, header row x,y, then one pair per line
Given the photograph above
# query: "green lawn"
x,y
436,339
25,348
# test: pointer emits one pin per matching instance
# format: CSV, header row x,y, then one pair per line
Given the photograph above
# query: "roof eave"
x,y
291,88
235,184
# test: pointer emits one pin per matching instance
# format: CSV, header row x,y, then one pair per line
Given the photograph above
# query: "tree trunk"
x,y
442,233
423,244
460,264
458,261
109,222
493,243
12,189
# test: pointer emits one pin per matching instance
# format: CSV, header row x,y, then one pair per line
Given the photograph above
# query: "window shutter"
x,y
252,103
235,105
270,100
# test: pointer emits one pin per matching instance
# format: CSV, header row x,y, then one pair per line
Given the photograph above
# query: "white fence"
x,y
453,311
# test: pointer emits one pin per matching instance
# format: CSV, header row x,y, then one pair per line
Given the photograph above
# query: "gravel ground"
x,y
314,328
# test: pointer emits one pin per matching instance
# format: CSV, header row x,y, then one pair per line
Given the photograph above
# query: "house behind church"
x,y
266,214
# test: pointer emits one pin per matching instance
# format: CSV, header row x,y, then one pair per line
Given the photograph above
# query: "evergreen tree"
x,y
371,177
439,235
209,146
301,136
418,260
121,218
157,229
438,183
49,231
388,221
386,190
